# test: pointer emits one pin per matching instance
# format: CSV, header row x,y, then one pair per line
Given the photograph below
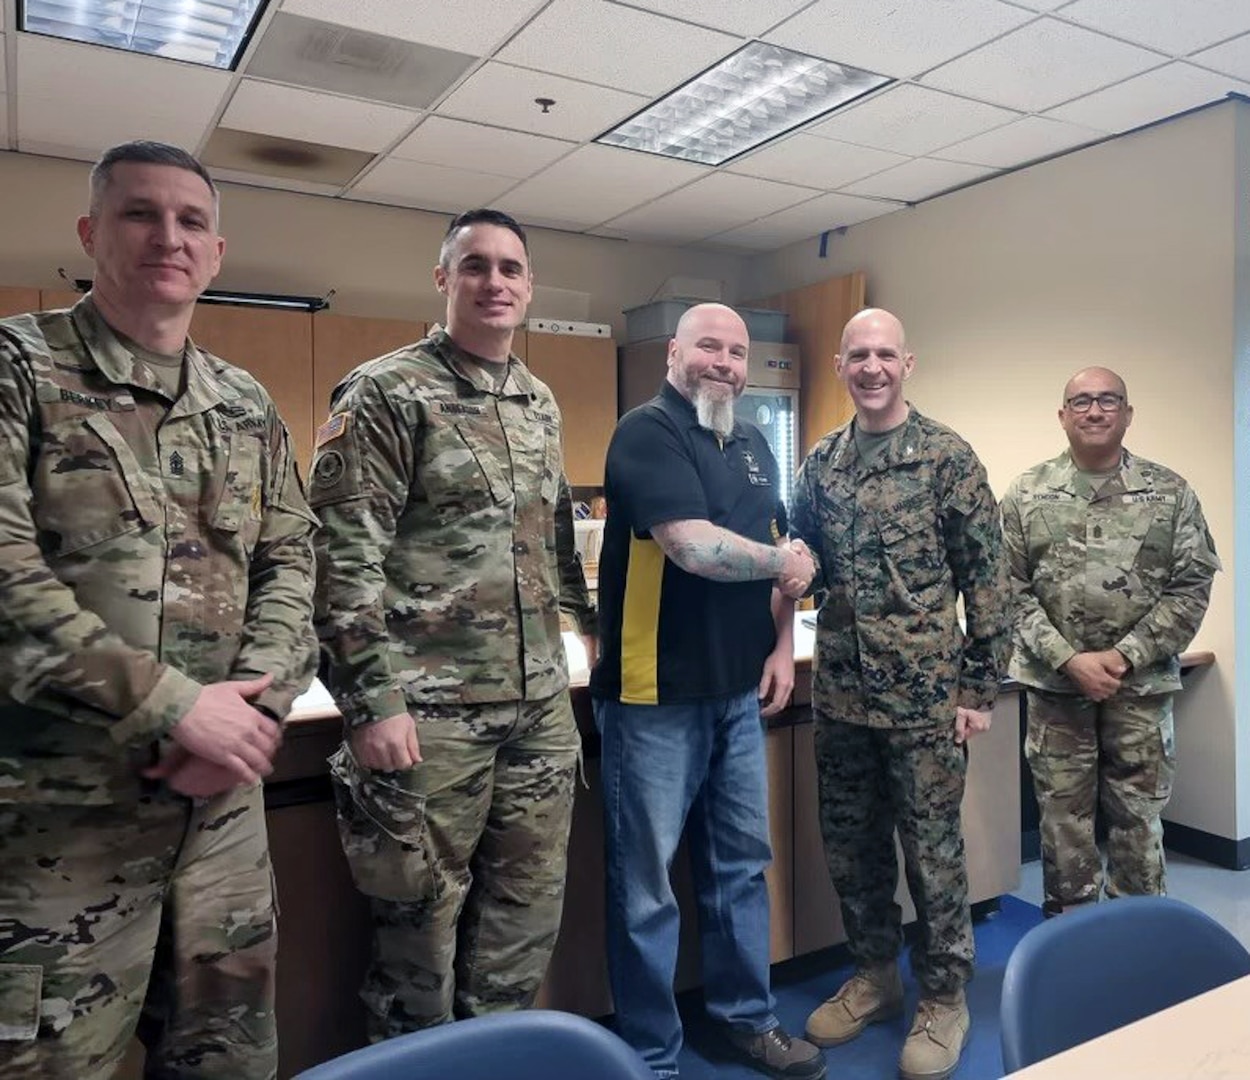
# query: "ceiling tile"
x,y
1041,65
1038,5
1232,58
290,159
458,144
355,63
912,120
616,46
1162,24
1164,92
430,187
1026,140
471,26
901,39
597,183
918,179
281,183
504,96
750,18
807,220
819,163
312,117
712,205
82,99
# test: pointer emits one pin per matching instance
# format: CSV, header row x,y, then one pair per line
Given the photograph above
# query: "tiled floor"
x,y
1222,894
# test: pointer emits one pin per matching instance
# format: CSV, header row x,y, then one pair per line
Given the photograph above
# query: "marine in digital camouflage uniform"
x,y
1112,564
897,509
444,559
155,569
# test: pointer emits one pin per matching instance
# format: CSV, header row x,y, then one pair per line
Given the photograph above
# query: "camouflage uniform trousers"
x,y
871,782
102,906
1116,758
463,858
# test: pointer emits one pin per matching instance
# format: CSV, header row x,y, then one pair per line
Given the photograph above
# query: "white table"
x,y
1204,1038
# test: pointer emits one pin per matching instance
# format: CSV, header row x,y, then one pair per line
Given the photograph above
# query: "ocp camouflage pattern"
x,y
446,548
1127,568
141,555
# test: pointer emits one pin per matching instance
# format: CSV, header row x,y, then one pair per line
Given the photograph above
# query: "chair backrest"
x,y
1090,971
528,1045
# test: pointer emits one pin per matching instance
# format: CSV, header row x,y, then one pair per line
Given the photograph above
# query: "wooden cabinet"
x,y
581,372
16,301
276,347
343,342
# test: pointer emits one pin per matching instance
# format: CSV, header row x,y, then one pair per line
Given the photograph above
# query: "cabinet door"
x,y
15,301
344,342
581,372
274,346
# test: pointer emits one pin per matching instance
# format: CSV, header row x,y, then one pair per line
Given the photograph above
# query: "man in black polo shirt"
x,y
696,632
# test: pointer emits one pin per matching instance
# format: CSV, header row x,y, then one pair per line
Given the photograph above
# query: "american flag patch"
x,y
332,428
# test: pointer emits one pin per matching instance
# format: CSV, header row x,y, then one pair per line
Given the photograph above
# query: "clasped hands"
x,y
797,570
222,742
1098,674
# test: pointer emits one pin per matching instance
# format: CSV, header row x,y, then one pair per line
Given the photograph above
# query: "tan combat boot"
x,y
870,995
936,1039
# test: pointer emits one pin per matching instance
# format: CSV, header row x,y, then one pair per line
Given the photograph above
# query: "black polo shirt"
x,y
668,636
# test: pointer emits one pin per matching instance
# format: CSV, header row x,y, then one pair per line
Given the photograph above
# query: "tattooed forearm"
x,y
701,548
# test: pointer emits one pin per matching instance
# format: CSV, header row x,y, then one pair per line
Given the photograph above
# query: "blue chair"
x,y
536,1043
1098,968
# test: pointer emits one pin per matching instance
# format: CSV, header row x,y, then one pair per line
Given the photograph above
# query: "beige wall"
x,y
1121,254
378,258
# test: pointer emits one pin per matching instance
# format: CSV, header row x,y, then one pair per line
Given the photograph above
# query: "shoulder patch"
x,y
332,428
328,469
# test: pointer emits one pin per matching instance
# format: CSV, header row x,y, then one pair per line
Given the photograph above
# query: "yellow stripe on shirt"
x,y
640,623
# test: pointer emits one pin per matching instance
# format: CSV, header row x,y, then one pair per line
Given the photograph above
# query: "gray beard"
x,y
714,412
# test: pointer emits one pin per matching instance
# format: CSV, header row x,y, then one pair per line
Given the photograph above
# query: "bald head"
x,y
695,320
880,320
1096,378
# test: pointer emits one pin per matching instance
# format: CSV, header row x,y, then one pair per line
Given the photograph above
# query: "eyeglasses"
x,y
1107,402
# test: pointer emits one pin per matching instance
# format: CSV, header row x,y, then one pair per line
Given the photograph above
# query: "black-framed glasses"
x,y
1107,402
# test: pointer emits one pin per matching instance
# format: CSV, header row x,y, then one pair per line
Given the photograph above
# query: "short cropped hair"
x,y
144,152
479,217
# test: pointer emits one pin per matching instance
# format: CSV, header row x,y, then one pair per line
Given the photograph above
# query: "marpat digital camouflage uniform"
x,y
146,549
444,558
898,541
1128,568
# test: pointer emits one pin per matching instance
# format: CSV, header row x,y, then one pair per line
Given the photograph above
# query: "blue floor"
x,y
802,984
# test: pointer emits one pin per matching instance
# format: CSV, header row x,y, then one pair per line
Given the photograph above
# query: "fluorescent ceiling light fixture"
x,y
209,32
753,95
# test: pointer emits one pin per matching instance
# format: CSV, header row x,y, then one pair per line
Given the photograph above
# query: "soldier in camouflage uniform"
x,y
1111,563
897,510
155,620
444,558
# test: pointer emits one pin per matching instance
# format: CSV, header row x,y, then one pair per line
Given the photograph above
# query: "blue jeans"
x,y
701,766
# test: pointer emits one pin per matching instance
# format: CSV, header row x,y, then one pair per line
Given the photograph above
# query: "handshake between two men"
x,y
798,568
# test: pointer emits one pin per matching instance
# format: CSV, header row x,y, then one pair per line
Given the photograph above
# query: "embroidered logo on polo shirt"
x,y
755,474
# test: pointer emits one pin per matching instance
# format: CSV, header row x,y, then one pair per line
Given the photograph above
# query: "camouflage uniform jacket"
x,y
1130,569
440,567
898,541
142,555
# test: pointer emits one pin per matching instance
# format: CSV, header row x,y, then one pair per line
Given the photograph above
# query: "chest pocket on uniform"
x,y
89,486
913,552
241,506
464,468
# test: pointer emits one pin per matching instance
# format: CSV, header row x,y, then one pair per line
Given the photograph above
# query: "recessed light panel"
x,y
208,32
755,94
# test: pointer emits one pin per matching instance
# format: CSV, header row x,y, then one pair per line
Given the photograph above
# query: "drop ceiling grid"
x,y
1155,23
296,113
898,39
503,96
807,219
76,99
477,27
596,183
459,144
745,18
1173,88
917,179
1023,140
616,46
825,163
429,187
1231,58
